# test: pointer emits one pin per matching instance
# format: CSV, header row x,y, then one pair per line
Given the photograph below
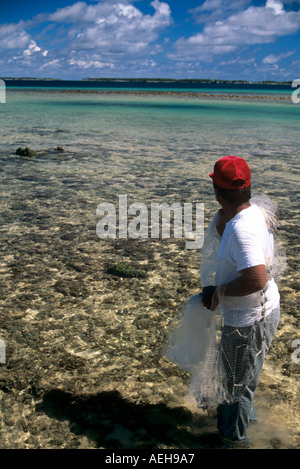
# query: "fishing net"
x,y
222,359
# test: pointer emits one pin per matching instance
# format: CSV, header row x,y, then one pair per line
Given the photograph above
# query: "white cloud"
x,y
104,35
213,10
55,63
210,5
238,60
272,58
109,33
70,13
255,25
85,64
276,6
13,36
31,48
114,27
19,52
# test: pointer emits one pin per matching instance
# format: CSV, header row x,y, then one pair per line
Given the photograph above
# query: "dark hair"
x,y
239,196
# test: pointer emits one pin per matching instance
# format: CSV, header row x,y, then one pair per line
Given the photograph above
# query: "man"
x,y
247,293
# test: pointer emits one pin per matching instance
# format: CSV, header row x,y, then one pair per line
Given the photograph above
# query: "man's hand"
x,y
215,299
207,296
251,280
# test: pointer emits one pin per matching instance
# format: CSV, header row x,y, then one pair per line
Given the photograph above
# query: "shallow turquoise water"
x,y
129,140
29,113
152,147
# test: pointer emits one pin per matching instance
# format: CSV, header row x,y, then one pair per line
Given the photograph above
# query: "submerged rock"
x,y
25,152
70,287
123,269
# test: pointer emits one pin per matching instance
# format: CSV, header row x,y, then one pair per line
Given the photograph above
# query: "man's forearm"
x,y
251,280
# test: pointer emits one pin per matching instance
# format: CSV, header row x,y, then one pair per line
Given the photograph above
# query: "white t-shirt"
x,y
246,242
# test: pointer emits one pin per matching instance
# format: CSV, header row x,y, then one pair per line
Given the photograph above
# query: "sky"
x,y
211,39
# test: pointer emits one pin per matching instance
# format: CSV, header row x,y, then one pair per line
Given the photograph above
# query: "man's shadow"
x,y
116,423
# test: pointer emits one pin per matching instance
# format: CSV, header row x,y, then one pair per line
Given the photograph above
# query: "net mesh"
x,y
223,360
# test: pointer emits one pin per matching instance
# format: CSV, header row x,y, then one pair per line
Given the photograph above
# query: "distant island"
x,y
157,80
29,79
191,80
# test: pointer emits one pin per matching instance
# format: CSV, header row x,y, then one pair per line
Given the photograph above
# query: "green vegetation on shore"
x,y
158,80
188,80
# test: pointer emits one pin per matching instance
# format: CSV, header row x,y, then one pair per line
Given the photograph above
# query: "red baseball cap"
x,y
231,172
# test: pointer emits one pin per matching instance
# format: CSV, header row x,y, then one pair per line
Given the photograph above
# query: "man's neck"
x,y
230,211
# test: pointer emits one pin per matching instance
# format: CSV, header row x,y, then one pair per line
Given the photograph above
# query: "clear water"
x,y
159,137
68,323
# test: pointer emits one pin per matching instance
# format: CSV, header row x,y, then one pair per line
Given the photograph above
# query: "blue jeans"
x,y
234,418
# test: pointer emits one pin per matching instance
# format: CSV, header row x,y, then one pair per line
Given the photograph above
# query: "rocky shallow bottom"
x,y
85,365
